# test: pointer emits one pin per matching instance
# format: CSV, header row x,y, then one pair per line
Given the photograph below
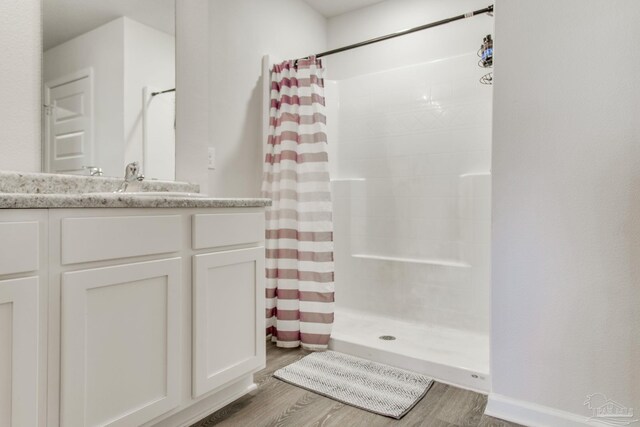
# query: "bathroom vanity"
x,y
127,310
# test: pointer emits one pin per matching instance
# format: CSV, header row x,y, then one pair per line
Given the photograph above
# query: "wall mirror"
x,y
109,87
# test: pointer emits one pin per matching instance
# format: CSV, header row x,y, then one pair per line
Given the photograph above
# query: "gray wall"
x,y
566,202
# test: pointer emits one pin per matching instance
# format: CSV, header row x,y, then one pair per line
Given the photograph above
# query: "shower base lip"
x,y
357,333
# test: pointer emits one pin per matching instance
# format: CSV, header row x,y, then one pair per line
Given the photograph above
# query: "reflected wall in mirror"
x,y
109,86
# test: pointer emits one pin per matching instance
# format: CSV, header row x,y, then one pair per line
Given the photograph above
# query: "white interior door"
x,y
120,344
19,352
228,317
69,133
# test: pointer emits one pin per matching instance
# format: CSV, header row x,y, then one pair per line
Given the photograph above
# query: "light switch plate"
x,y
212,158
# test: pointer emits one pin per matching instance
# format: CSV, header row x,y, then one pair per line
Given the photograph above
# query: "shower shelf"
x,y
427,261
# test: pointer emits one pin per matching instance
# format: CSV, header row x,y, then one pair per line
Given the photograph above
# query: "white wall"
x,y
192,81
419,140
20,92
101,49
566,207
241,32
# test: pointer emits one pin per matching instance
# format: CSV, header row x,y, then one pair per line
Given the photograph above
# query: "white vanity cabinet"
x,y
23,235
128,317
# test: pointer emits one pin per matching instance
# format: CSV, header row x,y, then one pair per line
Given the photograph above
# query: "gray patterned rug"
x,y
367,385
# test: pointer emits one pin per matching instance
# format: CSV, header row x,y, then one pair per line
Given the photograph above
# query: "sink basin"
x,y
172,194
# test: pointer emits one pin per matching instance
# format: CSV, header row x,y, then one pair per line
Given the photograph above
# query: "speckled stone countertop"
x,y
89,200
50,191
48,183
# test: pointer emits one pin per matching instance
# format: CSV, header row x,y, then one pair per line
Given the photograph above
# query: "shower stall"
x,y
411,184
409,140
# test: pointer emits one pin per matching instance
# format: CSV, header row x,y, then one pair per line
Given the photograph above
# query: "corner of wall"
x,y
192,81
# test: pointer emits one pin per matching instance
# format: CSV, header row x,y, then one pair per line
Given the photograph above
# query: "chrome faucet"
x,y
130,174
93,170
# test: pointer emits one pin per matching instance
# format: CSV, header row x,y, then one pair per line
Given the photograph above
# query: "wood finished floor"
x,y
278,404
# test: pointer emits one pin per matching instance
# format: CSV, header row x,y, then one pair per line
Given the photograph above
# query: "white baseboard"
x,y
533,415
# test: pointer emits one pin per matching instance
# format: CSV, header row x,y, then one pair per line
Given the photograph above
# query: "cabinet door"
x,y
120,349
19,352
228,317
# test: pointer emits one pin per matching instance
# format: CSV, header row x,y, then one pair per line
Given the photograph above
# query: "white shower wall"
x,y
410,146
411,154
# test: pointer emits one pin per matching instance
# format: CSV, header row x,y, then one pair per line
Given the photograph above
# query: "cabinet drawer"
x,y
211,230
97,239
19,247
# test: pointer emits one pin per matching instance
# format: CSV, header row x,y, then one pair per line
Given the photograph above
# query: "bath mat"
x,y
367,385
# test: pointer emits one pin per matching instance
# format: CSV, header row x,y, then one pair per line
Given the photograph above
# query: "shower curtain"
x,y
299,236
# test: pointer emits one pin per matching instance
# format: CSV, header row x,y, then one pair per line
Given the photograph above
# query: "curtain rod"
x,y
163,91
488,9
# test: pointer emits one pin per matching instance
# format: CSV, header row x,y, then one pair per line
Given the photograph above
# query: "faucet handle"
x,y
131,172
93,170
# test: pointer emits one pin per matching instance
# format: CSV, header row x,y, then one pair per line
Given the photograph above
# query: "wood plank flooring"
x,y
278,404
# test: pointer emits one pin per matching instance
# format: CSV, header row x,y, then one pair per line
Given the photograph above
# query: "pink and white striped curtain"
x,y
299,236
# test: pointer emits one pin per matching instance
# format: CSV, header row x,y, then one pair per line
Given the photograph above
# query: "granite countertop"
x,y
116,200
51,183
30,190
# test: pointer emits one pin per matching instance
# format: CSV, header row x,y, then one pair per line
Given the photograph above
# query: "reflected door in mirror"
x,y
69,122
